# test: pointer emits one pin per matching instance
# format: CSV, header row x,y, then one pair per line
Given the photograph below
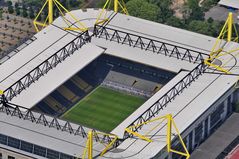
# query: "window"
x,y
64,156
3,139
25,146
13,142
38,150
52,154
10,157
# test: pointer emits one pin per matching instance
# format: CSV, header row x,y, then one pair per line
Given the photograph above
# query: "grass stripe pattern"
x,y
103,109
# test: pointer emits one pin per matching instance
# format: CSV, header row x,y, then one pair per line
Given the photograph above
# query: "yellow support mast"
x,y
89,146
50,11
50,17
230,23
169,131
118,4
217,50
170,126
89,143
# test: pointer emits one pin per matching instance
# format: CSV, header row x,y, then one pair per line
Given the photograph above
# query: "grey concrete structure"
x,y
199,98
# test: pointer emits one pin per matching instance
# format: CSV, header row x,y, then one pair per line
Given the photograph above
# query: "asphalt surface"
x,y
219,140
221,13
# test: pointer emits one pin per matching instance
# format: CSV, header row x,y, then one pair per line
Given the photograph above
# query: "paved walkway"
x,y
219,140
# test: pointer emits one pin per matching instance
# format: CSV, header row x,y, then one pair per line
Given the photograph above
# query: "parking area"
x,y
13,30
220,13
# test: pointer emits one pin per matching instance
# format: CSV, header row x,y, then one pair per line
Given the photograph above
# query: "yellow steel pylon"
x,y
118,4
49,18
217,50
89,143
170,125
1,92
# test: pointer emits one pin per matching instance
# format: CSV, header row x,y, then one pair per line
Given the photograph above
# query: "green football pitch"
x,y
103,109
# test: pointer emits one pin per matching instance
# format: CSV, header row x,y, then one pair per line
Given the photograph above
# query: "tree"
x,y
204,27
16,5
164,6
9,3
31,13
24,12
39,18
56,15
100,3
176,22
17,10
1,12
143,9
74,3
35,3
206,5
196,11
10,9
210,20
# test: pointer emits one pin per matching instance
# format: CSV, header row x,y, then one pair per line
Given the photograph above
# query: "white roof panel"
x,y
44,136
186,107
32,55
230,3
57,76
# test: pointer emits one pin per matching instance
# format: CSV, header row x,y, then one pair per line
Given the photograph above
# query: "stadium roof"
x,y
230,3
27,59
194,100
55,78
44,136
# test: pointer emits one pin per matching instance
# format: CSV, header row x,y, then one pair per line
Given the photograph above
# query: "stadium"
x,y
124,87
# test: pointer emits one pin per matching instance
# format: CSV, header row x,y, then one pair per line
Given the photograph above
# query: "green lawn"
x,y
103,109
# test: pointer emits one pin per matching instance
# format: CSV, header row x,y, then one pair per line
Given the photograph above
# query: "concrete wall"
x,y
8,154
206,124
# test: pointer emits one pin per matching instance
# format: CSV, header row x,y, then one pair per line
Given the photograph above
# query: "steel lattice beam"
x,y
169,96
49,121
148,44
47,65
38,118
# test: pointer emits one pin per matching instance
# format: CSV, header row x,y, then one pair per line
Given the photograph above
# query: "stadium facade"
x,y
199,97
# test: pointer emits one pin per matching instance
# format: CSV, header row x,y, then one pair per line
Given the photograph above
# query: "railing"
x,y
46,65
144,43
169,96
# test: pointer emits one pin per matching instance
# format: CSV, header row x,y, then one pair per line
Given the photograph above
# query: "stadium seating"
x,y
45,108
74,88
103,68
53,103
61,99
68,94
138,70
86,76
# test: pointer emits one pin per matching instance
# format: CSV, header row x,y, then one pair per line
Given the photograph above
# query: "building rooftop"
x,y
230,3
197,91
